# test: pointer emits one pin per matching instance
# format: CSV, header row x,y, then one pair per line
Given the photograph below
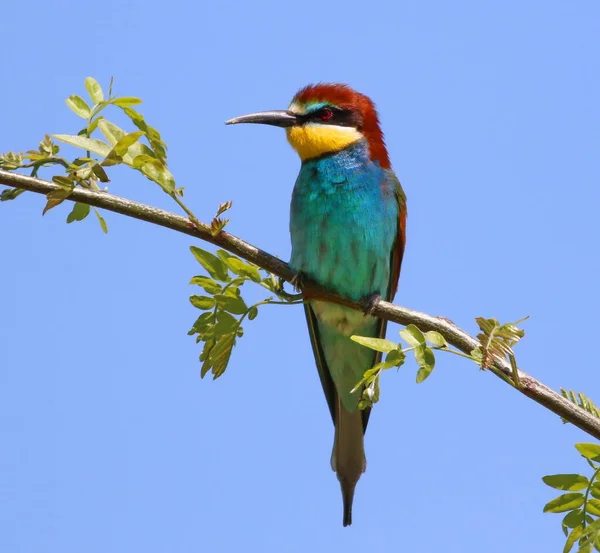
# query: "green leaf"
x,y
253,312
477,355
565,502
202,322
394,358
592,528
94,90
426,360
207,283
593,506
368,377
158,146
225,256
101,221
119,150
125,101
436,339
412,336
595,490
124,143
140,160
90,144
226,323
219,355
241,268
589,451
79,106
378,344
52,203
234,305
573,519
93,125
158,173
202,302
58,196
66,183
10,194
79,212
573,537
100,173
215,267
113,133
205,356
570,482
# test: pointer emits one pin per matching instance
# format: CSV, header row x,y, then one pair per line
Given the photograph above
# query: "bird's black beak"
x,y
278,118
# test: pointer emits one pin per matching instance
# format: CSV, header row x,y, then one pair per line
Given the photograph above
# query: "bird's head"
x,y
326,118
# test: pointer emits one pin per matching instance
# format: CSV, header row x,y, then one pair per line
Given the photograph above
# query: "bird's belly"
x,y
345,320
349,255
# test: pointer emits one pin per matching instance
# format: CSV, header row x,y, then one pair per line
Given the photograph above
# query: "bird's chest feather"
x,y
343,224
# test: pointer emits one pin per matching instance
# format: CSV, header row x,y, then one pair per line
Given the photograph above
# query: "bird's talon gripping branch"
x,y
369,303
298,281
281,292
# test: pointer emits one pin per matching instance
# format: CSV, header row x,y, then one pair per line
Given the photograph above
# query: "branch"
x,y
529,386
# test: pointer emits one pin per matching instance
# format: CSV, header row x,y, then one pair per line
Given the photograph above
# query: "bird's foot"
x,y
298,281
281,292
369,303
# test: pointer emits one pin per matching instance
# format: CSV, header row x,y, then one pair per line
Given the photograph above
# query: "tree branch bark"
x,y
458,338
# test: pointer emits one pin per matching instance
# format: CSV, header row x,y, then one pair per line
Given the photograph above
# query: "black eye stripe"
x,y
340,117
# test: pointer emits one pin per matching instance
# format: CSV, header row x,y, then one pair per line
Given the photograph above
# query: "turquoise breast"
x,y
344,222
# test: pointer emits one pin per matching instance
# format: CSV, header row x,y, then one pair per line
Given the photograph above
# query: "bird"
x,y
348,233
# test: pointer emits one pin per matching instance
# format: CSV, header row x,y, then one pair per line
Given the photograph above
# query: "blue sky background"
x,y
110,440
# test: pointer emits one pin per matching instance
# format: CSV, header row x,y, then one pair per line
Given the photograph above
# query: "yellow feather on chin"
x,y
315,140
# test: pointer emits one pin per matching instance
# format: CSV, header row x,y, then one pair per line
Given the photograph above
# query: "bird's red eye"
x,y
326,114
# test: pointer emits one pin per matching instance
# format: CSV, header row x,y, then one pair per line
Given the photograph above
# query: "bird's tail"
x,y
348,456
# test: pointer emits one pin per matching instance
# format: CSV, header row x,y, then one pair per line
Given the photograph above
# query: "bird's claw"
x,y
298,281
369,303
280,291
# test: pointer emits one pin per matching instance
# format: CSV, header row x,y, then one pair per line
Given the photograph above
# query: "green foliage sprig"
x,y
581,503
496,341
581,400
224,309
581,524
86,171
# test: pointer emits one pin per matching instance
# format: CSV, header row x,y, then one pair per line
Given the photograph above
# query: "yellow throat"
x,y
314,140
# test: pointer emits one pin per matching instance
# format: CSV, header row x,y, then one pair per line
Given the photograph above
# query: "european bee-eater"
x,y
348,229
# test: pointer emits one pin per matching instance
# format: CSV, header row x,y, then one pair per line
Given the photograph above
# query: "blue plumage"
x,y
343,223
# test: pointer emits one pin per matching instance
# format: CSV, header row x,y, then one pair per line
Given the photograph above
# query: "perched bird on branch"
x,y
348,230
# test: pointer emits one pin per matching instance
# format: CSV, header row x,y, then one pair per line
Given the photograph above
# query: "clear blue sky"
x,y
110,440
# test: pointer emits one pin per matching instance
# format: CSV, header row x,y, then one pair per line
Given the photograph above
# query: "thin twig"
x,y
529,386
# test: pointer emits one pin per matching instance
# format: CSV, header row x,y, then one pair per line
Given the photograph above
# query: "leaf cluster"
x,y
224,309
581,503
421,344
116,146
581,400
497,340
